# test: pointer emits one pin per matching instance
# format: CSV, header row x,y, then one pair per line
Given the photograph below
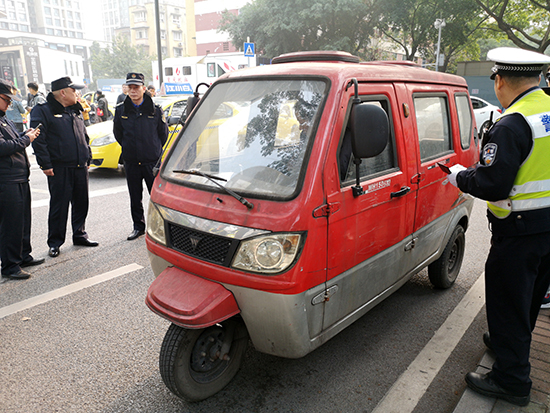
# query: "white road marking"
x,y
68,289
40,191
92,194
406,392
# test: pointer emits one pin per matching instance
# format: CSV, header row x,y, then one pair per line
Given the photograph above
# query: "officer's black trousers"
x,y
135,175
68,186
15,226
517,275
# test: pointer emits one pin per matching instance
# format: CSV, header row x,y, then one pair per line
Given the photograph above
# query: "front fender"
x,y
190,301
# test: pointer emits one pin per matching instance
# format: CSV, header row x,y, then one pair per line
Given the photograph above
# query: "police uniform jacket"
x,y
14,164
141,131
509,145
63,141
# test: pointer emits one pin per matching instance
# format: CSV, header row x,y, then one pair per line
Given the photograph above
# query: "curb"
x,y
472,402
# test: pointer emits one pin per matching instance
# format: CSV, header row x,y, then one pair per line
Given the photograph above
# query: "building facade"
x,y
41,40
208,14
173,31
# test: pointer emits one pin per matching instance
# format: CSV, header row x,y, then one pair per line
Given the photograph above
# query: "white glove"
x,y
454,172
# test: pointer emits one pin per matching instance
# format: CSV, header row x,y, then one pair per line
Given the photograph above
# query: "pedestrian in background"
x,y
151,90
513,175
93,108
36,96
63,153
141,130
85,108
15,194
15,113
123,95
102,106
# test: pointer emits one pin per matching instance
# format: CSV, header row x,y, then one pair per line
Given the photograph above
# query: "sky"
x,y
93,26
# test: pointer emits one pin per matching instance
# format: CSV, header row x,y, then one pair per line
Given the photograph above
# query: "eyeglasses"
x,y
7,100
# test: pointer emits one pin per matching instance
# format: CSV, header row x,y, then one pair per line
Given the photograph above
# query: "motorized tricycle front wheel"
x,y
196,364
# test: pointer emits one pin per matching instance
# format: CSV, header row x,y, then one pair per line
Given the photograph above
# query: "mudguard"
x,y
190,301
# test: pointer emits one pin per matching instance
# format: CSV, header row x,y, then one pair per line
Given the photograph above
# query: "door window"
x,y
370,167
432,121
464,119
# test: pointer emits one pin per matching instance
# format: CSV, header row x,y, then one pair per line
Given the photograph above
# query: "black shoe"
x,y
54,252
20,275
32,262
85,242
483,384
487,340
136,233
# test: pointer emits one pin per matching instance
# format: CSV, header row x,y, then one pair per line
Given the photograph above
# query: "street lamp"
x,y
439,23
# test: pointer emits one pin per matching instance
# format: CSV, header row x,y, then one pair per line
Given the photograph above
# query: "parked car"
x,y
106,152
482,113
258,230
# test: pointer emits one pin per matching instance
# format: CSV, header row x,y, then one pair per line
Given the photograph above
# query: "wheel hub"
x,y
207,350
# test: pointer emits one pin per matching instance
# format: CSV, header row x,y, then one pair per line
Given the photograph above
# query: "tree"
x,y
121,59
283,26
410,24
525,22
464,26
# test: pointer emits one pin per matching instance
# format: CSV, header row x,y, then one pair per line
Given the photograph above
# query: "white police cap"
x,y
516,62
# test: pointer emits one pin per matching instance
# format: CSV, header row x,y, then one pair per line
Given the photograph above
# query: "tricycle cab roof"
x,y
347,65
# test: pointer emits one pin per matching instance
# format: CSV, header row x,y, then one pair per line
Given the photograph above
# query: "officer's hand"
x,y
454,172
48,172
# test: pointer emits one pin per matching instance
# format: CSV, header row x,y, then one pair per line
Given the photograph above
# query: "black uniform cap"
x,y
8,90
65,82
135,79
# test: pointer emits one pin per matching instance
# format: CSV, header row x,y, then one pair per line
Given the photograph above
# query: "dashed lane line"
x,y
92,194
407,391
68,289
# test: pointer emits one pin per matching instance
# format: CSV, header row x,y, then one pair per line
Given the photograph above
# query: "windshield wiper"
x,y
199,173
212,178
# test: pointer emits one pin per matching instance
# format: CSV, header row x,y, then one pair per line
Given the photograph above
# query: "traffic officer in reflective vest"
x,y
513,175
140,128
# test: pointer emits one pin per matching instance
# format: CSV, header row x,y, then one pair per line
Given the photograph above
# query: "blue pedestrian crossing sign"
x,y
249,49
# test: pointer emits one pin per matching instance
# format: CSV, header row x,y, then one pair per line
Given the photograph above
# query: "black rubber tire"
x,y
188,362
444,271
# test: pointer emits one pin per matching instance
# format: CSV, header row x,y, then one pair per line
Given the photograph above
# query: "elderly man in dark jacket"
x,y
140,128
63,153
15,194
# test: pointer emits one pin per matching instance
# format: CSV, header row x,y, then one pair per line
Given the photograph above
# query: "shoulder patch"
x,y
489,153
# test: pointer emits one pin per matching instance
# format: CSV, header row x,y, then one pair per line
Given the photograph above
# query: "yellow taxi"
x,y
107,153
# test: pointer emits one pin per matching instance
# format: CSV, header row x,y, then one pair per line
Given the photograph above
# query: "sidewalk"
x,y
472,402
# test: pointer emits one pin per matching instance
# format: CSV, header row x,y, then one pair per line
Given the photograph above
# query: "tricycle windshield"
x,y
249,136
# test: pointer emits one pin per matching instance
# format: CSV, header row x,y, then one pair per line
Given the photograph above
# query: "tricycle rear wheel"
x,y
196,364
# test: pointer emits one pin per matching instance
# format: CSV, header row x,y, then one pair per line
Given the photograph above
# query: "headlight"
x,y
268,254
104,140
155,224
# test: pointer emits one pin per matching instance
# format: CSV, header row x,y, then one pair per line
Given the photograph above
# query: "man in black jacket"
x,y
15,194
63,153
140,128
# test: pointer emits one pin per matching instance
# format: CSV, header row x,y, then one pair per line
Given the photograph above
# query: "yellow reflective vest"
x,y
531,188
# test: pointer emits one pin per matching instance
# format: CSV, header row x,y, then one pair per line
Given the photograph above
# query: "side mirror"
x,y
370,131
194,100
174,120
191,103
